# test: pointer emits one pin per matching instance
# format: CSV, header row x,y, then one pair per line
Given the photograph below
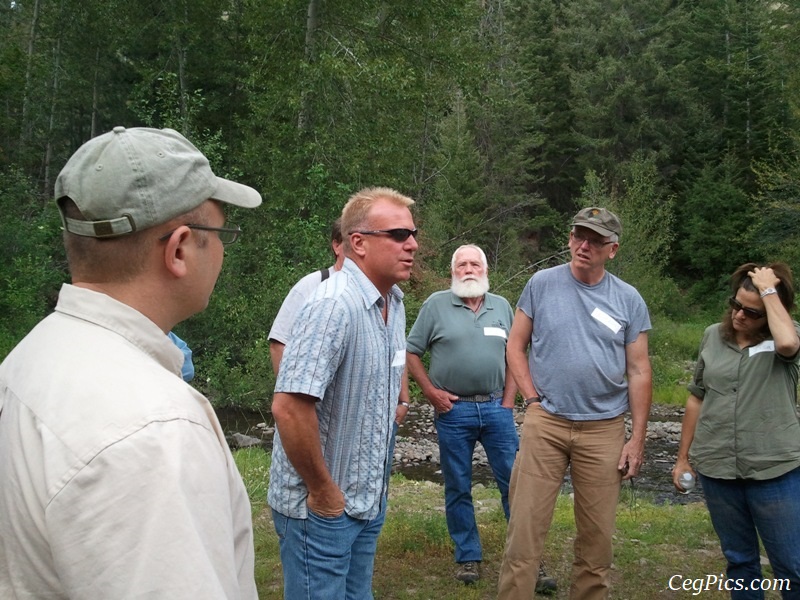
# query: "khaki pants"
x,y
548,445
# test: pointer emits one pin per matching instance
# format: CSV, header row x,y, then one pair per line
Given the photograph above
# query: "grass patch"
x,y
415,555
673,350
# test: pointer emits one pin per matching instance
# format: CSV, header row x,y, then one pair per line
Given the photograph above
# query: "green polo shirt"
x,y
468,350
748,426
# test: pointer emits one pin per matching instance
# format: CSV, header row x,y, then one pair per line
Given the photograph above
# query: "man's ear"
x,y
358,243
175,251
613,252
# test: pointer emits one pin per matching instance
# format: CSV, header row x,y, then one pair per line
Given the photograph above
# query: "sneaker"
x,y
545,584
468,572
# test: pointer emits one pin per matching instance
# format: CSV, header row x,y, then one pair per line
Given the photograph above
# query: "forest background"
x,y
500,117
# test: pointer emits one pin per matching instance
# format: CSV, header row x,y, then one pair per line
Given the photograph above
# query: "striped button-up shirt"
x,y
342,353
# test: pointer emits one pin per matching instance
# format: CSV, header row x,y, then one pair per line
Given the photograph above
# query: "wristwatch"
x,y
768,291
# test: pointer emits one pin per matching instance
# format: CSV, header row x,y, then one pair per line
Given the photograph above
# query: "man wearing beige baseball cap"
x,y
115,476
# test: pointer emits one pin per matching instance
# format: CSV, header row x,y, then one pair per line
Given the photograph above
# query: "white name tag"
x,y
399,359
606,320
495,331
765,346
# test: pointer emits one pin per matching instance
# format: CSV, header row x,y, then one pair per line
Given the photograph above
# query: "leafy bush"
x,y
32,264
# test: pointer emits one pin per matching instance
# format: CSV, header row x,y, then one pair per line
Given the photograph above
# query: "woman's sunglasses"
x,y
750,313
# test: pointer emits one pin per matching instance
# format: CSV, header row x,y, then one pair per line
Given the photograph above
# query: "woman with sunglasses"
x,y
741,430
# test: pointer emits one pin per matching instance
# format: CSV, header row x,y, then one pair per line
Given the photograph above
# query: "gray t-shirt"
x,y
577,358
468,350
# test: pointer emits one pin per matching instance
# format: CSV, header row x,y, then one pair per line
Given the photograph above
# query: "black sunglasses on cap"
x,y
750,313
398,235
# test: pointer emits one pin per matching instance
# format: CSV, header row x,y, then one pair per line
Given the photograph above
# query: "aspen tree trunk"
x,y
25,127
48,153
95,93
184,94
312,22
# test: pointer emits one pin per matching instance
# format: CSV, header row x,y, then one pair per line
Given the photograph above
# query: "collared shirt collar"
x,y
366,288
105,311
458,301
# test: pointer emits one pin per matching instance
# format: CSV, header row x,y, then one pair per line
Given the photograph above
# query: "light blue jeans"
x,y
331,558
741,511
458,430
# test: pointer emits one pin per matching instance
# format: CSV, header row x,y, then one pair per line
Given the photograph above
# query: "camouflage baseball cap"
x,y
598,219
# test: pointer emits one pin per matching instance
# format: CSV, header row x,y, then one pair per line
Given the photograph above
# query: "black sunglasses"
x,y
398,235
750,313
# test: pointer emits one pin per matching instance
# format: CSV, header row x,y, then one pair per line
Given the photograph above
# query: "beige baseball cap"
x,y
128,180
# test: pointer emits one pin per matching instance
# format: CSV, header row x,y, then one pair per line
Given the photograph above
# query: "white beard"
x,y
470,288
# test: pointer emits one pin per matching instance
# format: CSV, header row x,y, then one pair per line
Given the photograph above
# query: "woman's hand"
x,y
763,278
682,465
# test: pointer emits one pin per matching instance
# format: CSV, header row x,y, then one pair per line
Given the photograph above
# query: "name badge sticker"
x,y
399,359
495,331
606,320
765,346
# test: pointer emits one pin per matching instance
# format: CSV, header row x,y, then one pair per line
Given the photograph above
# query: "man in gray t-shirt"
x,y
588,364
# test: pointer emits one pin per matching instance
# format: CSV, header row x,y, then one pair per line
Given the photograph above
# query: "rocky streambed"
x,y
416,452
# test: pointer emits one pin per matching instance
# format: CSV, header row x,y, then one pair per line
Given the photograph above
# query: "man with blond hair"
x,y
115,477
334,405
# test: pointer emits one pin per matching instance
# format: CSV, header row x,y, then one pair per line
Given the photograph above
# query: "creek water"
x,y
654,480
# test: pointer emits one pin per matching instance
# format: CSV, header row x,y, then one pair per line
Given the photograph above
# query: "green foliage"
x,y
778,203
244,380
673,348
452,213
490,114
31,260
717,222
647,231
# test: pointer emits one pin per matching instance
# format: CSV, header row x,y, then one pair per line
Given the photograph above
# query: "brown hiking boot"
x,y
545,584
468,572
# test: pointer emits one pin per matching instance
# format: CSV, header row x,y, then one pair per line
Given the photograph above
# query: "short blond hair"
x,y
356,212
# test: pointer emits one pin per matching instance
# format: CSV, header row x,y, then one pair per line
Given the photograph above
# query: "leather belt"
x,y
475,398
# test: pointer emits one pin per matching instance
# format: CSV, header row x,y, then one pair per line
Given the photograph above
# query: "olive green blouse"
x,y
748,426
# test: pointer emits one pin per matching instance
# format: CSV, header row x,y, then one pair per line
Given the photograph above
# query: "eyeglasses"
x,y
593,242
398,235
750,313
227,235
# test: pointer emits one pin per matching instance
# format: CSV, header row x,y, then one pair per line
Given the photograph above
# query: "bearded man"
x,y
466,329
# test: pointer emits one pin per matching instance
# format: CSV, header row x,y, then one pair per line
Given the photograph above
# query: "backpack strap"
x,y
324,274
